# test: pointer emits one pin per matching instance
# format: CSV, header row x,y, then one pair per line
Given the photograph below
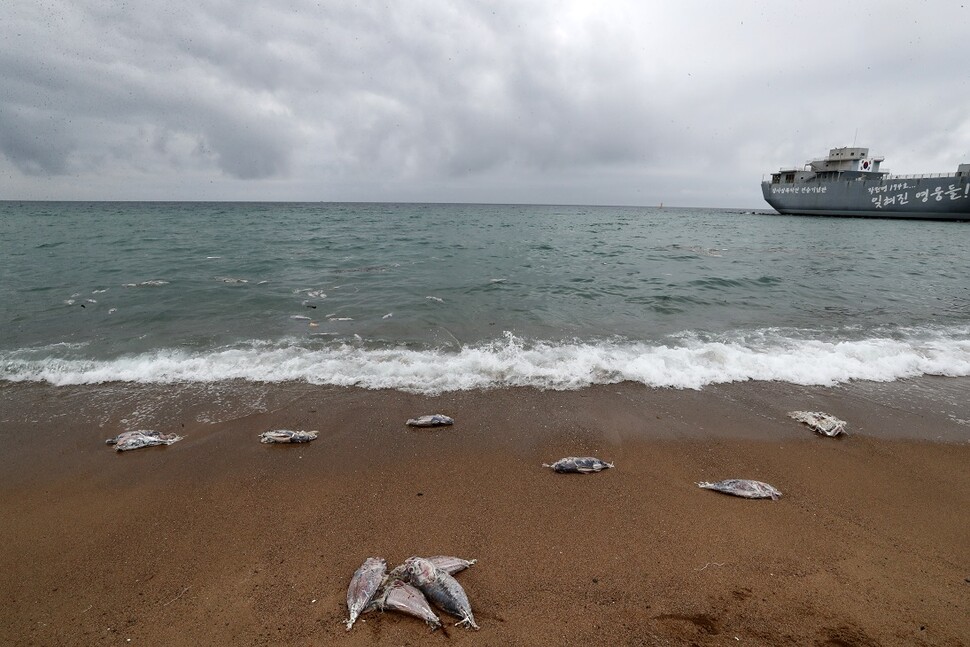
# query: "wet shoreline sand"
x,y
218,539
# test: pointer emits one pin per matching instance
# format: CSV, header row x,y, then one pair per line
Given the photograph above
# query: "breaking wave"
x,y
687,360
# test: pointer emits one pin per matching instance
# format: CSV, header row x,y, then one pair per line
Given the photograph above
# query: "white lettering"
x,y
897,193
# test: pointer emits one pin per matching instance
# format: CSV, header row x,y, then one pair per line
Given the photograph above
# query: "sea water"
x,y
436,297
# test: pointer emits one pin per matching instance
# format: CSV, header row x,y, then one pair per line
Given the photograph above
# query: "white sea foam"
x,y
313,293
686,361
145,284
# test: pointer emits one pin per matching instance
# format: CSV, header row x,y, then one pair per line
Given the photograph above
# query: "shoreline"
x,y
222,540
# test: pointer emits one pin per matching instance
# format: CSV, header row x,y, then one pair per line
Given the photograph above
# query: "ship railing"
x,y
918,176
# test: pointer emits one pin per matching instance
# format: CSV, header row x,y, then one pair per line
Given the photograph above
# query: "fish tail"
x,y
467,621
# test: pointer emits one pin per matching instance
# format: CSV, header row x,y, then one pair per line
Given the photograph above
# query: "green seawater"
x,y
95,291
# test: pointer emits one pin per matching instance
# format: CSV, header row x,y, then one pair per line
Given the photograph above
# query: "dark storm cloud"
x,y
35,143
448,100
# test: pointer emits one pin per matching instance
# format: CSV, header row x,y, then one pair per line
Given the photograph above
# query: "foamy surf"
x,y
684,361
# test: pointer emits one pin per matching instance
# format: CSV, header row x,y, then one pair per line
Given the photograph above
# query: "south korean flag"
x,y
865,165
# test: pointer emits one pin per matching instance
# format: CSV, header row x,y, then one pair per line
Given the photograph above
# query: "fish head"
x,y
420,571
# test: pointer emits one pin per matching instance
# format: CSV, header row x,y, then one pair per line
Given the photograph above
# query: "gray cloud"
x,y
36,143
542,101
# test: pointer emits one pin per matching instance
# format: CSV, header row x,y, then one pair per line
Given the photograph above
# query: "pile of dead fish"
x,y
143,438
408,587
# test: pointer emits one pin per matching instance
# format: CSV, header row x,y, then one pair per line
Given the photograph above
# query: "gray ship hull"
x,y
930,198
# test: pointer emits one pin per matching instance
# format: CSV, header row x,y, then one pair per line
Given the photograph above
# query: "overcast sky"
x,y
611,102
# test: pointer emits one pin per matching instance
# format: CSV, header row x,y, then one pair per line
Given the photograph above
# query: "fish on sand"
x,y
744,488
451,565
398,595
433,420
579,464
287,436
363,585
446,563
824,423
441,588
142,438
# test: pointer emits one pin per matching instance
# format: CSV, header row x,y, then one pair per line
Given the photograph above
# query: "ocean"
x,y
434,298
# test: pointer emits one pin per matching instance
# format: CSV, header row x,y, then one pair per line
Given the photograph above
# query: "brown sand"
x,y
219,540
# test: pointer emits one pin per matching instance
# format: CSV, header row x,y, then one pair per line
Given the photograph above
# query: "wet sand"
x,y
221,540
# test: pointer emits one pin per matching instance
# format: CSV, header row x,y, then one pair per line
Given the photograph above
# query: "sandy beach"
x,y
220,540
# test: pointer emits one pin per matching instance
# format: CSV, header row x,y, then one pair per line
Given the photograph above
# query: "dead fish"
x,y
434,420
446,563
823,423
441,588
743,488
451,565
582,465
287,436
398,595
363,585
141,438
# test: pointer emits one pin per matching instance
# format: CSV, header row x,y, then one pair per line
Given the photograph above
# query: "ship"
x,y
849,182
